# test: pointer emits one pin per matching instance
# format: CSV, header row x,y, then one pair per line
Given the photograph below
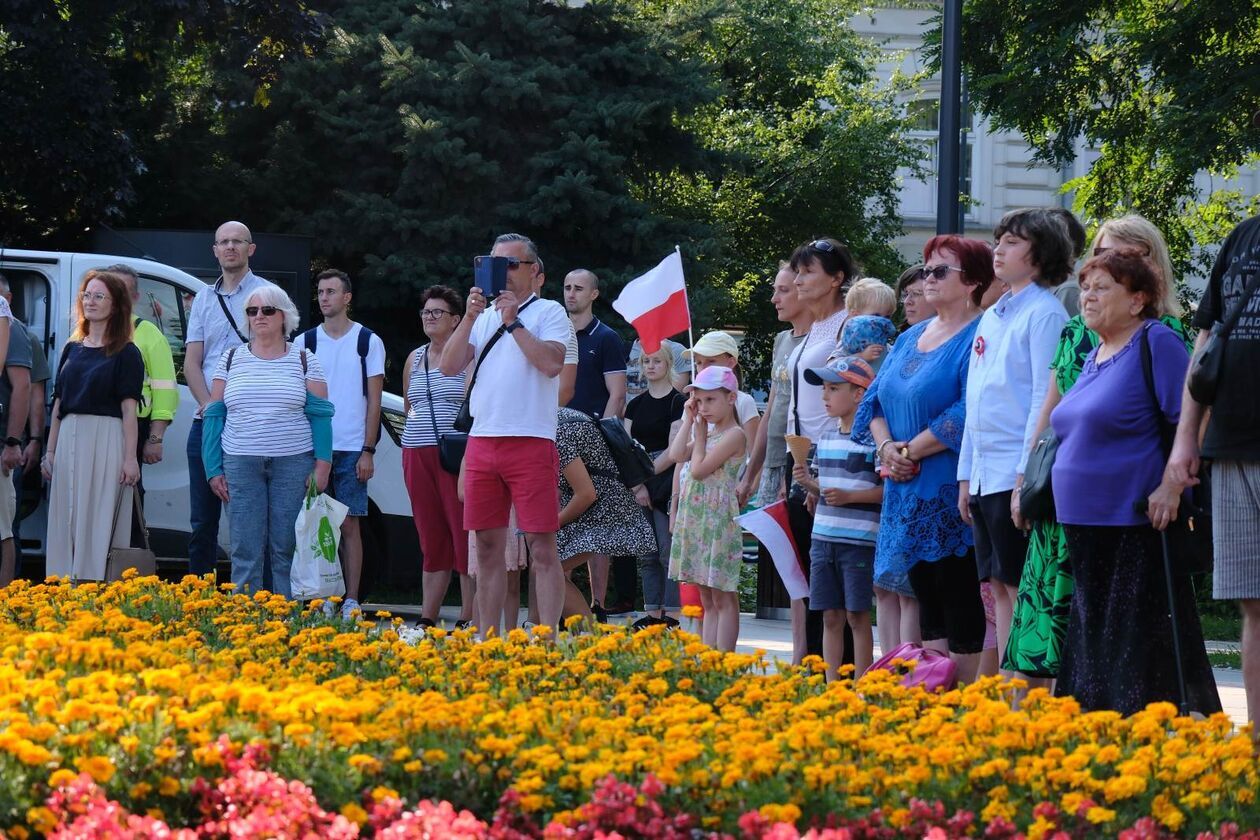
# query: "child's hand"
x,y
800,474
873,353
811,503
835,497
690,409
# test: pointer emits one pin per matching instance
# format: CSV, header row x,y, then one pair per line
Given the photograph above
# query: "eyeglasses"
x,y
267,311
96,296
224,243
826,246
513,263
937,272
909,296
434,314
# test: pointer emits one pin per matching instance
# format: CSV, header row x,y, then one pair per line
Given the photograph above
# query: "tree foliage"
x,y
1162,89
96,92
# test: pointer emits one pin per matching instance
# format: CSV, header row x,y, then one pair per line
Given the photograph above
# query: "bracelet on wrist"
x,y
879,449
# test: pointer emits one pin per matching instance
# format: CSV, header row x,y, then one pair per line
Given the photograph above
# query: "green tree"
x,y
1163,90
811,140
97,92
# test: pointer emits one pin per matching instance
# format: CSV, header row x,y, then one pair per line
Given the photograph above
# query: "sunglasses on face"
x,y
254,311
937,272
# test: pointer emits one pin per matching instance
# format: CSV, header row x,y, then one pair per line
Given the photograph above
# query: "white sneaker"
x,y
348,606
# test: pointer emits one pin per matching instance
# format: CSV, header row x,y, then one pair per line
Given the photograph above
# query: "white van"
x,y
44,284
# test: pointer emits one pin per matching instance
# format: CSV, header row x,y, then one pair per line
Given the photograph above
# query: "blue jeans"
x,y
264,497
660,591
203,510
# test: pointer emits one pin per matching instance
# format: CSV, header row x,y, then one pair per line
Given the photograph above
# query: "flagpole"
x,y
690,341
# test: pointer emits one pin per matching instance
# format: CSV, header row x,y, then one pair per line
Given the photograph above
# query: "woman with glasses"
x,y
432,400
1044,600
91,456
824,271
914,414
1009,368
914,304
268,432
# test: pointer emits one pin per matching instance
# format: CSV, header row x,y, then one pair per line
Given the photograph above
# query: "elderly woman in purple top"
x,y
1111,456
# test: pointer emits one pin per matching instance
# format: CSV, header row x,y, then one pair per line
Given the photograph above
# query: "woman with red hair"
x,y
91,456
914,411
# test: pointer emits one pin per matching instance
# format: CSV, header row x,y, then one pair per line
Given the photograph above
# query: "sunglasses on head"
x,y
252,311
936,272
824,245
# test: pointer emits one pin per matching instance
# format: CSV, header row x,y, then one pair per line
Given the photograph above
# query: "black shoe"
x,y
669,621
646,622
426,623
601,615
620,608
463,624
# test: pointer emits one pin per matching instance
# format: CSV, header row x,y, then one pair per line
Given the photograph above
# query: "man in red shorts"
x,y
511,457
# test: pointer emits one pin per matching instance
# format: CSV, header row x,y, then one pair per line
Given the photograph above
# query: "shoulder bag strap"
x,y
499,333
428,387
228,313
138,510
1167,431
1227,326
796,387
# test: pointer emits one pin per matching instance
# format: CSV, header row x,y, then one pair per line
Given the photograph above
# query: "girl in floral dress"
x,y
707,548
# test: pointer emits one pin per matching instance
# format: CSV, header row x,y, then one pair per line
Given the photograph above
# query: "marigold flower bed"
x,y
146,701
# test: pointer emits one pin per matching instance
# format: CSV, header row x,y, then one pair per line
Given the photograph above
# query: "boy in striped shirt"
x,y
848,493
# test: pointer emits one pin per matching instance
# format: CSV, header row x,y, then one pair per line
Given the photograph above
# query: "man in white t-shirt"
x,y
511,459
353,360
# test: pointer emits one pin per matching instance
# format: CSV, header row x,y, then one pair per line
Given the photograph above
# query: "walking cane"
x,y
1184,706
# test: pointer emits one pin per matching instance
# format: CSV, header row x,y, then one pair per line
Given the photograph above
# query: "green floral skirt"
x,y
1039,624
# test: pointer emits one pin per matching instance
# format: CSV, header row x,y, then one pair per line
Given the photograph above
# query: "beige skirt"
x,y
84,495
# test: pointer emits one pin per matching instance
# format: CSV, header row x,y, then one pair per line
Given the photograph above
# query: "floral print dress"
x,y
708,548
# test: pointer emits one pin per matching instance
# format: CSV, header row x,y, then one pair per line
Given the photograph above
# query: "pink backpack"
x,y
934,671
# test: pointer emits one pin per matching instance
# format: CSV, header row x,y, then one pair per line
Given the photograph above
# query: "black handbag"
x,y
464,419
1190,534
1209,360
1036,496
451,445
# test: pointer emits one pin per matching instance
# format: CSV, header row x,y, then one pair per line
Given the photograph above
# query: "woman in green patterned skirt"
x,y
1045,588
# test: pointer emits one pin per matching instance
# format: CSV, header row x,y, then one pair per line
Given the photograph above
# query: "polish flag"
x,y
770,526
656,303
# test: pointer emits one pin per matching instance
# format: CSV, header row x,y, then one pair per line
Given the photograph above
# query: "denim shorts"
x,y
344,485
841,576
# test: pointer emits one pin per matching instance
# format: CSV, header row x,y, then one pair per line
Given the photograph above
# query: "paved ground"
x,y
775,638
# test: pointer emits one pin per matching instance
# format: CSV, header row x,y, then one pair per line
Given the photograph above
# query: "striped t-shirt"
x,y
845,465
266,402
448,395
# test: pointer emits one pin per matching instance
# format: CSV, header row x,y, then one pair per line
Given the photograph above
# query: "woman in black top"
x,y
91,457
652,418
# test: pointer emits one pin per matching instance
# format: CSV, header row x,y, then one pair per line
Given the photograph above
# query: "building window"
x,y
918,195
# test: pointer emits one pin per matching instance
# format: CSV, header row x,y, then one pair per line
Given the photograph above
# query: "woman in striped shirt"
x,y
272,441
432,400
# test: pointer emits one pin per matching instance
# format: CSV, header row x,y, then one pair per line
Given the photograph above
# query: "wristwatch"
x,y
371,450
154,439
12,441
514,326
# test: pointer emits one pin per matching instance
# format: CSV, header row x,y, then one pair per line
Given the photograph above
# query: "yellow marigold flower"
x,y
140,790
434,756
1098,815
380,793
61,778
365,763
168,786
99,767
657,687
413,766
41,819
354,813
692,611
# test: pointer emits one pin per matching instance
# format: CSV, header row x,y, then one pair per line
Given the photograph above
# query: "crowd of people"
x,y
899,451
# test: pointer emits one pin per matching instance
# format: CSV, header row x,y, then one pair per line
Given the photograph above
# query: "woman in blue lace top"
x,y
914,413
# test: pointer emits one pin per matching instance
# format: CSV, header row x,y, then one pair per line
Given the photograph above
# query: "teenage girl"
x,y
707,548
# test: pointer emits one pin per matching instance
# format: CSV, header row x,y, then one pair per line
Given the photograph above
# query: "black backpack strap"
x,y
227,368
310,338
365,343
1167,431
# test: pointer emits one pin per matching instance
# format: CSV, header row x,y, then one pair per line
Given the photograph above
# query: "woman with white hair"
x,y
267,430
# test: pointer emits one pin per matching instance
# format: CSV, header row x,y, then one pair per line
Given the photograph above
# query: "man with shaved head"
x,y
601,375
216,324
